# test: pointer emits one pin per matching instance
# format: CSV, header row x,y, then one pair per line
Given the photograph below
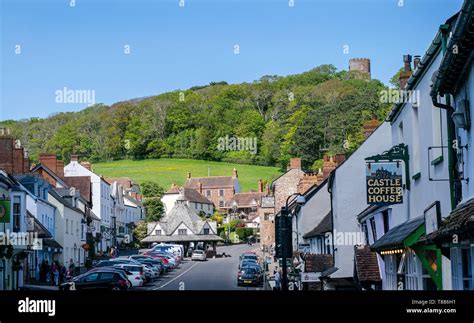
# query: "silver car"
x,y
198,255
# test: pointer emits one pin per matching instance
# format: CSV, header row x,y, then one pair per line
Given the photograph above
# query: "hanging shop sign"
x,y
432,217
384,183
4,211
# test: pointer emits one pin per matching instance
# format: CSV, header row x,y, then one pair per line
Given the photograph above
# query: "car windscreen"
x,y
249,271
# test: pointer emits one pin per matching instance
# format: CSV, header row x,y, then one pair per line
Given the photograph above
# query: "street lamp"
x,y
300,200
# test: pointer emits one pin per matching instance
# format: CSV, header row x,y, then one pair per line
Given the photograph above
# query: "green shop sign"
x,y
4,211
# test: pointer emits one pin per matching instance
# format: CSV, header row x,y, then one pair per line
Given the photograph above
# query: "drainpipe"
x,y
444,29
330,182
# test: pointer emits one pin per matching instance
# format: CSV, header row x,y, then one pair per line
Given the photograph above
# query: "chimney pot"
x,y
407,61
74,158
234,173
189,174
416,61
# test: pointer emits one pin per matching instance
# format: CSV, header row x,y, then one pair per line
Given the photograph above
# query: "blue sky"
x,y
173,47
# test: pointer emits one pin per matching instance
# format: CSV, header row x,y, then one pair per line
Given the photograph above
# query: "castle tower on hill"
x,y
360,64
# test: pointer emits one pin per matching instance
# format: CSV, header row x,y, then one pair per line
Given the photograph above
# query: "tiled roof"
x,y
394,237
366,264
318,263
460,221
324,226
245,199
126,182
192,195
210,182
82,183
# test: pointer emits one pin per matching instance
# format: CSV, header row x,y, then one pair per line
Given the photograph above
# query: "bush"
x,y
244,233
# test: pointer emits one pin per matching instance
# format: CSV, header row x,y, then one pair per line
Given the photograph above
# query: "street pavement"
x,y
212,274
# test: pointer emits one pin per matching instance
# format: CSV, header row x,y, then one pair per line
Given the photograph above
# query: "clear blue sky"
x,y
175,47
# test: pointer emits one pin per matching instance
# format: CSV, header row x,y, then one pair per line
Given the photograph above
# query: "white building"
x,y
195,200
70,230
397,231
14,221
455,82
102,204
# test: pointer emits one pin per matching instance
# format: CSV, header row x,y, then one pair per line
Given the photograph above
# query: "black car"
x,y
249,275
98,279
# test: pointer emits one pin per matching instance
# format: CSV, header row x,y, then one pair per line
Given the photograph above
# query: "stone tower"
x,y
360,64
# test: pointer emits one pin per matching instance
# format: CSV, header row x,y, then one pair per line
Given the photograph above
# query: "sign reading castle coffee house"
x,y
384,183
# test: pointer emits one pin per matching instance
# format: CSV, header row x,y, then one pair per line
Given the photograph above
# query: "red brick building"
x,y
218,189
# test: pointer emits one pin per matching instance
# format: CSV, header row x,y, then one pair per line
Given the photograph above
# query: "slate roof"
x,y
210,182
366,264
63,201
394,237
182,238
324,226
43,233
194,196
460,221
245,199
181,213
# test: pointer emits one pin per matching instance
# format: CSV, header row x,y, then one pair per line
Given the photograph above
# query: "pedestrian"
x,y
47,270
55,272
62,273
72,267
278,280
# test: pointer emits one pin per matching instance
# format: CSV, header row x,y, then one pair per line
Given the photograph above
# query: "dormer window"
x,y
182,232
158,232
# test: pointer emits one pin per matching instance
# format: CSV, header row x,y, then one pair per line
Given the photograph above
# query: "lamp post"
x,y
300,200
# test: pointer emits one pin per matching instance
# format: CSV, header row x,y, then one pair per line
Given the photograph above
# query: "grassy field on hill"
x,y
165,171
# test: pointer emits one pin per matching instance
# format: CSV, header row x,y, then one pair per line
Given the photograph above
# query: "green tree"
x,y
151,189
154,209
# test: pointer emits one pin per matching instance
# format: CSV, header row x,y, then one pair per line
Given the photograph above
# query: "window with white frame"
x,y
462,267
416,142
390,281
413,271
437,132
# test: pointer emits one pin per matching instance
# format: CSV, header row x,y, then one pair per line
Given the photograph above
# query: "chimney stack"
x,y
260,186
189,174
74,158
295,163
370,126
200,187
86,165
406,73
49,160
60,168
234,173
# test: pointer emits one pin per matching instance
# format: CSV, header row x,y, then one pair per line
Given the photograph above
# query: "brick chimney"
x,y
306,181
86,165
295,163
200,187
260,186
60,168
6,150
234,173
49,160
370,126
74,158
406,73
189,174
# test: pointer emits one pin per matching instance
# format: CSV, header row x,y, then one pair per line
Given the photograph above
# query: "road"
x,y
213,274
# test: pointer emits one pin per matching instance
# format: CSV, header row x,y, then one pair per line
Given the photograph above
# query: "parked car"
x,y
136,274
98,279
247,261
249,275
169,256
154,262
249,255
198,255
164,261
112,268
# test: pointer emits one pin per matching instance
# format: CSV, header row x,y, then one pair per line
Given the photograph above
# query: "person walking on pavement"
x,y
72,267
278,280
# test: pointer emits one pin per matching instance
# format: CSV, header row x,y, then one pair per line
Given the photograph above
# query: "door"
x,y
106,280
